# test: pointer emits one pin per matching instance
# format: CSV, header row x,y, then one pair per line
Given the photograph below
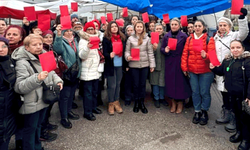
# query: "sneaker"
x,y
73,116
48,136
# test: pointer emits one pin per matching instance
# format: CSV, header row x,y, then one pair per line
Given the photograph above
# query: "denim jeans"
x,y
32,130
90,89
158,92
113,83
200,84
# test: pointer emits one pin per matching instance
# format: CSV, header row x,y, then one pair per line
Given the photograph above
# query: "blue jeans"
x,y
158,92
113,83
200,84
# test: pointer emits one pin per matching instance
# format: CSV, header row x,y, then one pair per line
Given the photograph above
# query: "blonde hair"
x,y
30,37
140,40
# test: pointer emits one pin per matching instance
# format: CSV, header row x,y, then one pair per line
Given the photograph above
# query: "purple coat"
x,y
176,83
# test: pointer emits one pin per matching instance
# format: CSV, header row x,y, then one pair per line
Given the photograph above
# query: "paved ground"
x,y
157,130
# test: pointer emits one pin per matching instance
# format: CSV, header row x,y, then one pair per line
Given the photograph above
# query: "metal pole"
x,y
117,13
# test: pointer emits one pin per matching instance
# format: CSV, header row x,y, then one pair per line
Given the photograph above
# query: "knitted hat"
x,y
89,24
3,39
95,20
74,16
226,20
47,32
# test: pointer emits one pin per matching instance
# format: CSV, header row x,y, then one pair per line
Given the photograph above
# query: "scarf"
x,y
69,39
117,38
14,46
222,35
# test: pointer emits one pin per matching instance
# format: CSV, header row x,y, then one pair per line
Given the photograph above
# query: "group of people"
x,y
177,74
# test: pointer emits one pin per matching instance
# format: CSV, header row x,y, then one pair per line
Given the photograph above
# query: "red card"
x,y
117,47
154,37
172,43
65,22
213,58
120,22
109,17
197,45
95,42
103,19
236,6
74,6
44,22
30,13
125,12
166,18
145,17
47,61
184,21
64,10
135,54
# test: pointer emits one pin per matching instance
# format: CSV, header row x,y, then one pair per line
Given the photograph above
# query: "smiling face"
x,y
223,27
198,28
48,39
236,49
13,35
139,28
35,46
190,28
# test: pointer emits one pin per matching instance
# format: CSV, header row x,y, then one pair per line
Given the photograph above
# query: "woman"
x,y
222,41
28,83
177,86
236,71
114,64
15,34
134,19
139,69
66,45
151,28
8,97
90,74
3,26
156,78
196,65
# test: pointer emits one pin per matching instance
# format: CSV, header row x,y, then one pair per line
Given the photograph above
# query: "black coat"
x,y
109,63
8,98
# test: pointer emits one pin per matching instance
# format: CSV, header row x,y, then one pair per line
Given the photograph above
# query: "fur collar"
x,y
85,35
246,54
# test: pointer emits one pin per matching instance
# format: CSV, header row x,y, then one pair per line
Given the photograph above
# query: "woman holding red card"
x,y
114,64
176,84
195,63
139,68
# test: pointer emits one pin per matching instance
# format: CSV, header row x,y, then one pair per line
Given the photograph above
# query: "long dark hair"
x,y
204,25
108,33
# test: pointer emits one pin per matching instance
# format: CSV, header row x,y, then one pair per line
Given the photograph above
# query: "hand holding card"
x,y
154,37
95,42
135,54
47,61
213,58
172,43
197,45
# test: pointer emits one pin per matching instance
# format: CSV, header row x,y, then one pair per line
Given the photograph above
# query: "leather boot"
x,y
118,107
142,106
179,107
173,106
136,106
236,137
204,117
244,145
111,109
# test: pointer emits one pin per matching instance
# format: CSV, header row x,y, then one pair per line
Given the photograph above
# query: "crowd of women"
x,y
177,74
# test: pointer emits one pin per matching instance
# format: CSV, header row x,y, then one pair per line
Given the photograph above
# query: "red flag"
x,y
64,10
197,45
135,54
74,6
154,37
95,42
65,22
44,22
125,12
109,17
47,61
236,7
103,19
213,58
30,13
145,17
117,47
166,18
172,43
120,22
184,21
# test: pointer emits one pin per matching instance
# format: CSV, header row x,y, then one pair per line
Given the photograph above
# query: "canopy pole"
x,y
215,19
117,13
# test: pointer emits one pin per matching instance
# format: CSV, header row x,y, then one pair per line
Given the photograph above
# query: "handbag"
x,y
245,106
51,93
71,73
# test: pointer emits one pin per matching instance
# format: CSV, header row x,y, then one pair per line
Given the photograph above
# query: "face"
x,y
74,19
35,47
151,27
48,39
223,27
114,28
3,49
159,29
37,31
198,28
68,34
190,28
139,28
134,20
130,31
90,30
174,26
236,49
96,26
13,35
104,26
3,26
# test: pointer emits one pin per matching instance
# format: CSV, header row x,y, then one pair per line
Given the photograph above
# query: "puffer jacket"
x,y
27,82
90,59
222,50
147,58
191,60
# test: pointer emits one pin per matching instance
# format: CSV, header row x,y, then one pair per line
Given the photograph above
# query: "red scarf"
x,y
117,38
14,46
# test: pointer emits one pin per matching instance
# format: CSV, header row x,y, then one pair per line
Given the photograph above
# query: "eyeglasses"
x,y
4,46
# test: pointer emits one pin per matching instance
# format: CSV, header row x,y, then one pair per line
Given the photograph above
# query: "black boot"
x,y
19,145
189,103
244,145
197,117
204,118
236,137
136,106
142,106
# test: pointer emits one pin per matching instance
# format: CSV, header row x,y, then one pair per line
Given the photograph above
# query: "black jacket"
x,y
8,98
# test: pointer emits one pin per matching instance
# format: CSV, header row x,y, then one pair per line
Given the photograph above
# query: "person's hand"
x,y
152,69
25,21
61,86
42,75
244,13
203,54
155,45
167,49
112,55
127,69
59,29
185,73
90,45
211,66
129,58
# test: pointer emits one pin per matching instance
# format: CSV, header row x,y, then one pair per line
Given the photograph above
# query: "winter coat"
x,y
146,52
222,50
191,61
90,60
109,63
234,82
158,76
176,83
8,99
27,82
